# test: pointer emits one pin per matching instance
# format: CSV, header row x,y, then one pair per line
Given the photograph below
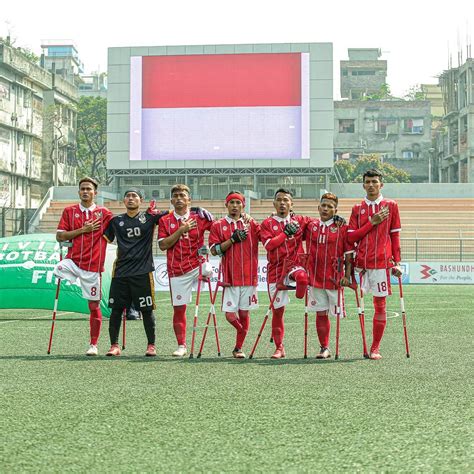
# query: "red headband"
x,y
235,196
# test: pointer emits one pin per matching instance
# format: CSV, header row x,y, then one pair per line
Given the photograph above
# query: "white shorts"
x,y
181,287
324,300
376,281
282,299
90,282
239,297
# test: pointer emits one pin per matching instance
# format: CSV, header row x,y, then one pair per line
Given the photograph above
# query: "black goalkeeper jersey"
x,y
134,240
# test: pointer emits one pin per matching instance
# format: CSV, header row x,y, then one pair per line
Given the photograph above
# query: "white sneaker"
x,y
92,351
181,351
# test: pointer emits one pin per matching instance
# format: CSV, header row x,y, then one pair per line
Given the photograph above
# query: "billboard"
x,y
221,106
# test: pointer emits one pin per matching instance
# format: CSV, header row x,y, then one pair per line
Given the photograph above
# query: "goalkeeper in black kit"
x,y
132,277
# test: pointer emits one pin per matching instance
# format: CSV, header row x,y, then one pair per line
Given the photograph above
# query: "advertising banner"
x,y
459,273
27,280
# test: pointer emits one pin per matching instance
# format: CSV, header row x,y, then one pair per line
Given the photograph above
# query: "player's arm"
x,y
109,233
290,229
357,234
185,226
64,233
346,279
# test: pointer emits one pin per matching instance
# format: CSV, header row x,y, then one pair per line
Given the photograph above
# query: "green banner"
x,y
27,280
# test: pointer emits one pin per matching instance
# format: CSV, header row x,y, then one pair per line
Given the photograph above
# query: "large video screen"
x,y
219,106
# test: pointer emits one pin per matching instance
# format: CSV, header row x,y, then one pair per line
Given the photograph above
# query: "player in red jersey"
x,y
236,241
181,234
282,237
375,227
84,224
326,242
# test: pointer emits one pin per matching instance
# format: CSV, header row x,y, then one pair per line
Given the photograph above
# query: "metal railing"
x,y
456,249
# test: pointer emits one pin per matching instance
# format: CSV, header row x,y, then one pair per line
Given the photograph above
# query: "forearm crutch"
x,y
404,316
305,356
265,319
212,312
360,312
196,311
56,298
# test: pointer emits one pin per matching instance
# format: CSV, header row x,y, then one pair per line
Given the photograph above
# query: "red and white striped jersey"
x,y
288,250
88,250
240,261
325,243
183,256
374,250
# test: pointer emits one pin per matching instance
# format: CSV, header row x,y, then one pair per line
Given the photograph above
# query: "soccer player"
x,y
327,248
84,224
282,236
181,234
132,278
236,241
375,227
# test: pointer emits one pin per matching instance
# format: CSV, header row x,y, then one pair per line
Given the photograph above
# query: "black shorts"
x,y
137,289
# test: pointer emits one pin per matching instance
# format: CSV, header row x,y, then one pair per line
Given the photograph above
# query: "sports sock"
x,y
234,320
323,327
301,278
179,324
245,322
149,323
379,322
95,321
114,325
278,326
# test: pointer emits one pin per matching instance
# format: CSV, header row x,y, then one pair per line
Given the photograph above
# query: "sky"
x,y
416,38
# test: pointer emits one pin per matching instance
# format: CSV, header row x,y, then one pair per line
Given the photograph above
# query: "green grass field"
x,y
65,412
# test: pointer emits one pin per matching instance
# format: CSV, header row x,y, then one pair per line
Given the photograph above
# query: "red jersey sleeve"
x,y
162,229
266,232
214,235
65,221
353,221
395,224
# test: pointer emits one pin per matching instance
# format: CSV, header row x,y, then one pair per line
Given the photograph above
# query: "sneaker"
x,y
181,351
279,353
238,354
114,351
150,350
375,355
323,353
92,351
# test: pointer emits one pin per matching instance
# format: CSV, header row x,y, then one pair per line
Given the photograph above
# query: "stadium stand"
x,y
432,228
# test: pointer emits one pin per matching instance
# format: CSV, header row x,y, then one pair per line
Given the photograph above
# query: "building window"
x,y
363,73
414,126
344,72
346,126
4,90
386,126
407,154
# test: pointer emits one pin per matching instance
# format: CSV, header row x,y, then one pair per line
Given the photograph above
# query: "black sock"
x,y
149,323
114,325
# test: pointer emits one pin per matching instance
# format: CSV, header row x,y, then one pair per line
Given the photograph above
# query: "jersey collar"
x,y
179,218
230,220
283,219
87,209
327,223
371,203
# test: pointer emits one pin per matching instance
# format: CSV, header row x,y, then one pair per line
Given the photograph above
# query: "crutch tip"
x,y
218,354
408,356
191,356
366,356
336,357
305,357
48,352
250,356
198,356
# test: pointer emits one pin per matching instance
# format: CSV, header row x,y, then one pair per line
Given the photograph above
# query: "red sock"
x,y
179,324
245,322
301,278
278,326
379,322
95,321
234,320
323,327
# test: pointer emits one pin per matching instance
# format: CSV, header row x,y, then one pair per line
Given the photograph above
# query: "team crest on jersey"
x,y
315,229
173,226
278,300
333,229
121,223
313,303
178,297
76,215
229,303
275,227
142,219
362,211
224,228
98,214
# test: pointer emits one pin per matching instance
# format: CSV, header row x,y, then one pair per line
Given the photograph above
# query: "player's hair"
x,y
331,197
282,190
87,179
373,173
180,187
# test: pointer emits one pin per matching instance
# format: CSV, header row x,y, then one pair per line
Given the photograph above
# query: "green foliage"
x,y
92,137
383,93
415,93
352,173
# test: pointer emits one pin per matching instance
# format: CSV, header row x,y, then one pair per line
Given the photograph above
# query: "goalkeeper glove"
x,y
239,235
291,228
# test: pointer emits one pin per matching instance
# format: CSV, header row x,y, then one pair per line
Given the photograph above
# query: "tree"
x,y
415,93
381,94
391,174
345,169
92,137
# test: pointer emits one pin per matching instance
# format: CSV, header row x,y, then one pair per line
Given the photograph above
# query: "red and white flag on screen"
x,y
222,106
